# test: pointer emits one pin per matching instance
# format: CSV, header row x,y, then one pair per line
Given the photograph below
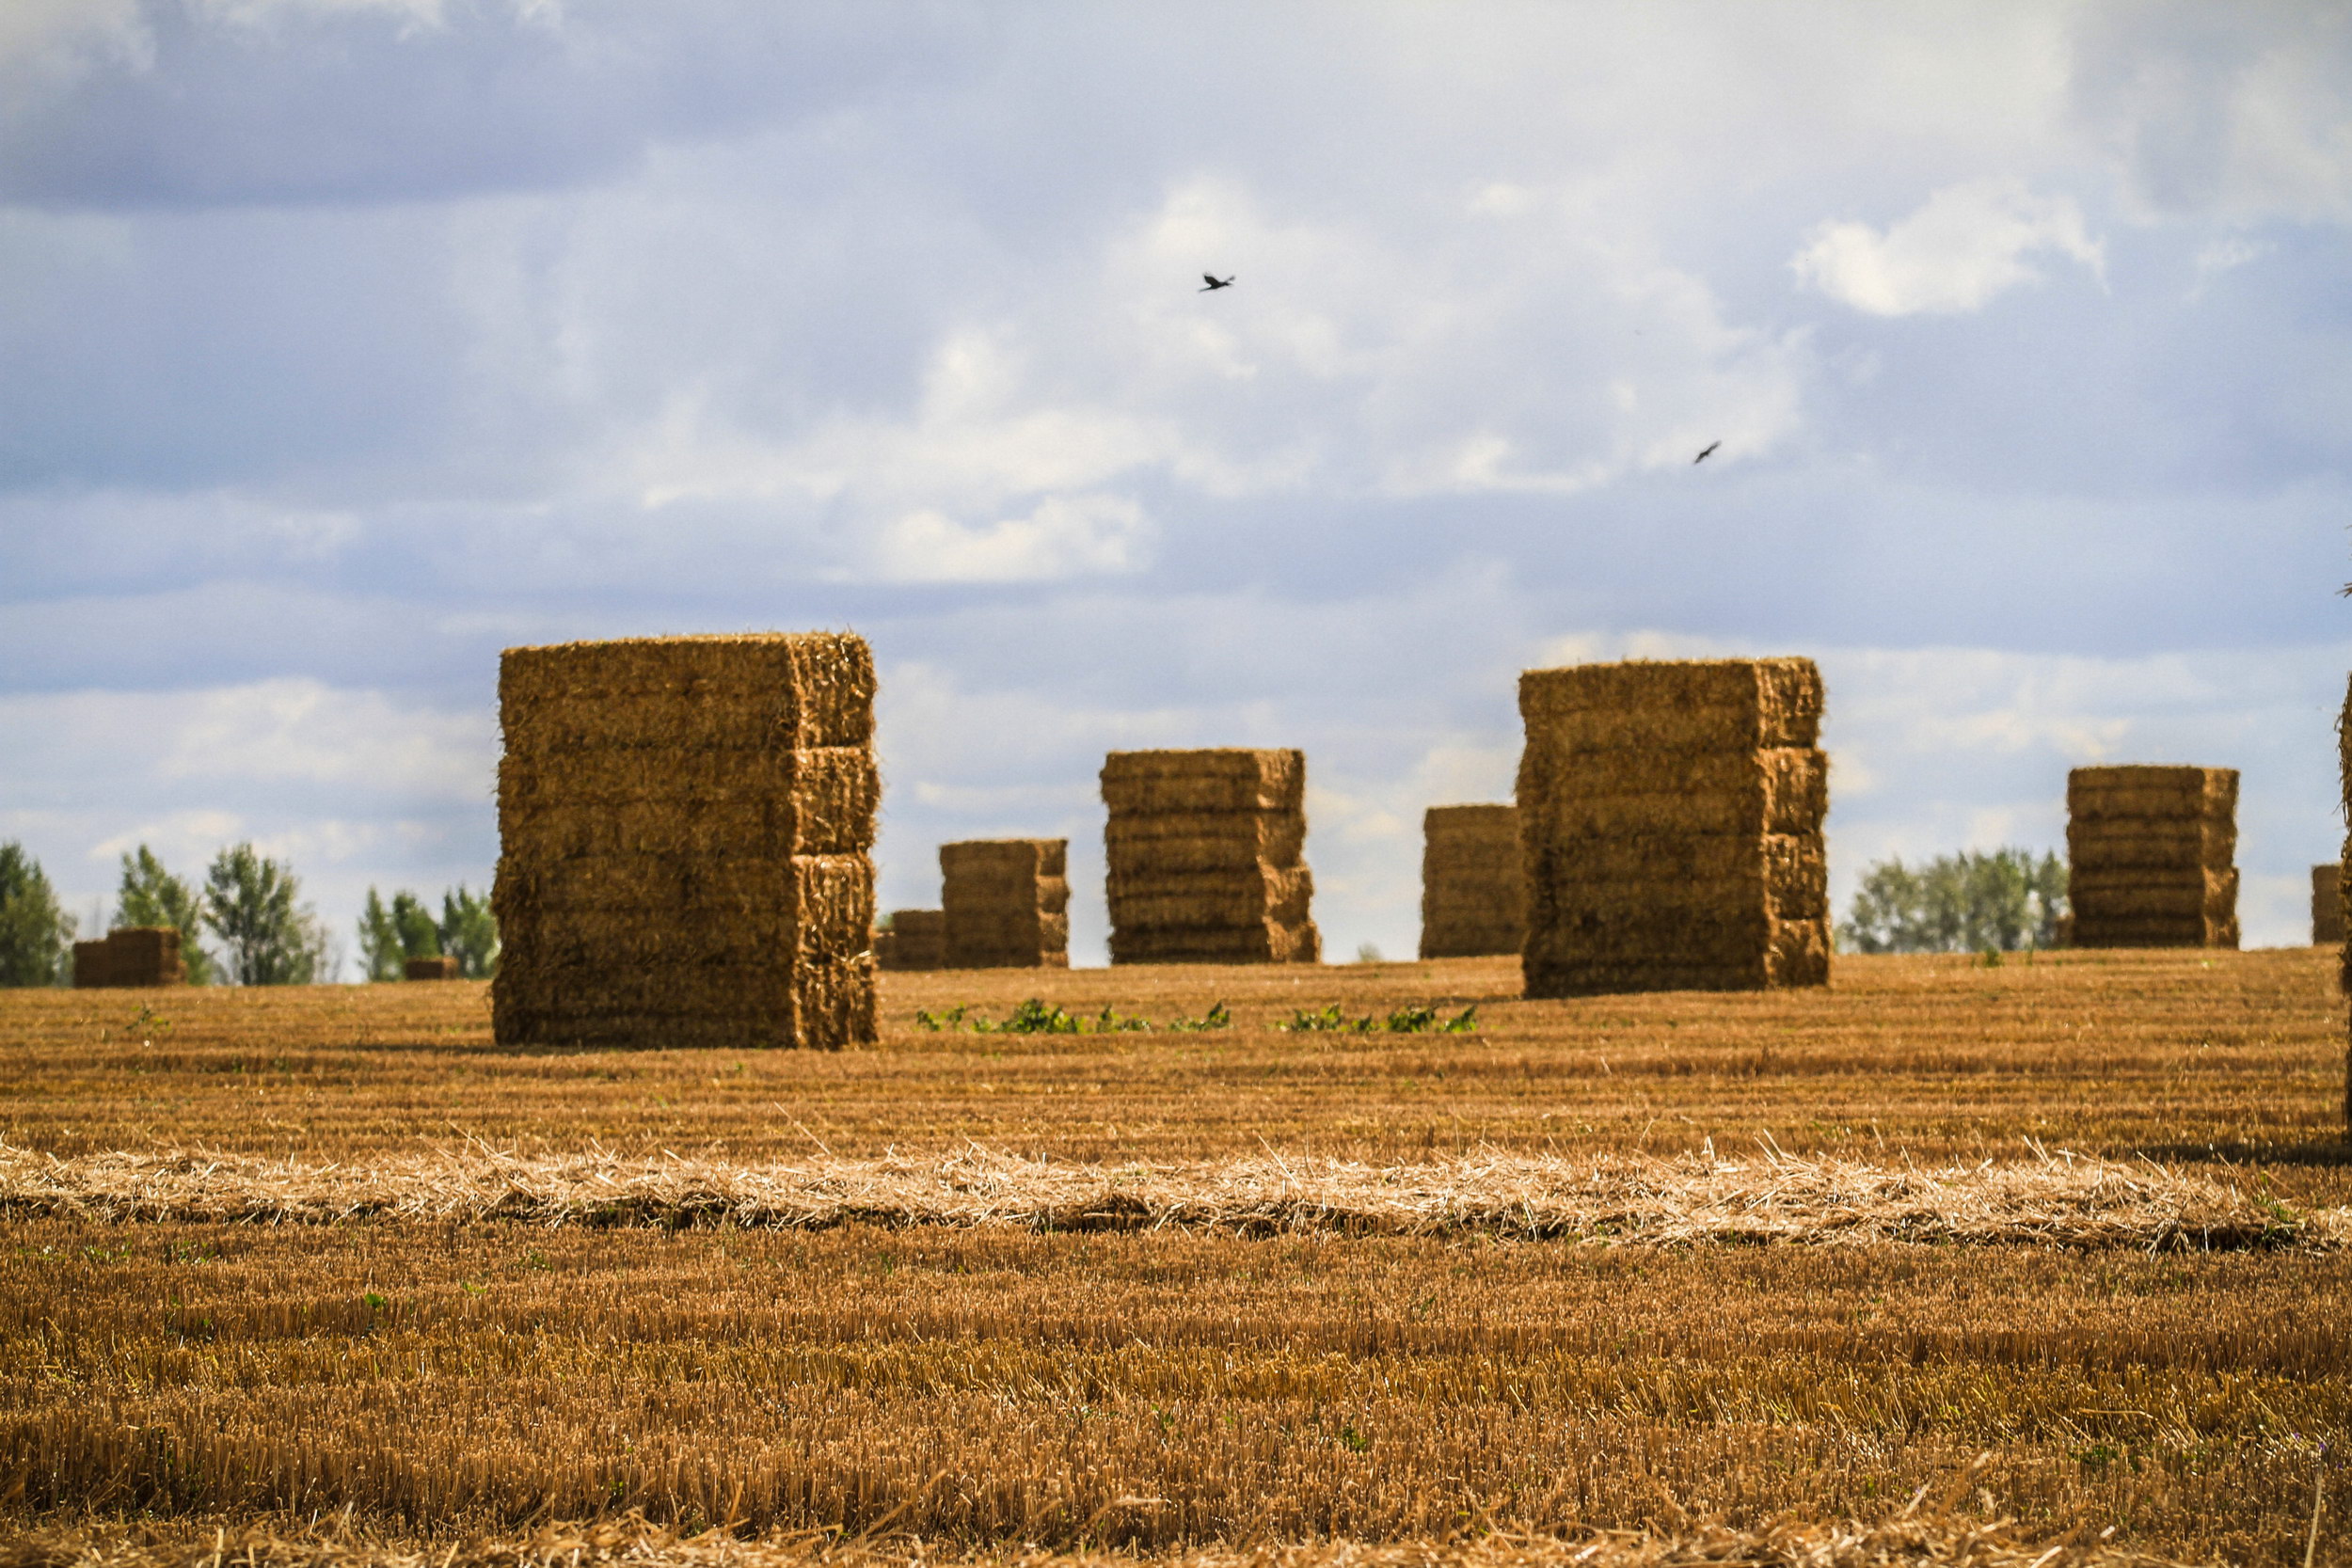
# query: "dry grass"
x,y
1627,1199
632,1542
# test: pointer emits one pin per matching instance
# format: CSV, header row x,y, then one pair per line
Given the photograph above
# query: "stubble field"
x,y
1162,1378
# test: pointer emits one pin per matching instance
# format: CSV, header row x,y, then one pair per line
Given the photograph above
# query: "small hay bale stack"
x,y
683,830
130,956
915,938
1474,897
439,967
1204,857
2151,852
1670,825
2327,904
1006,903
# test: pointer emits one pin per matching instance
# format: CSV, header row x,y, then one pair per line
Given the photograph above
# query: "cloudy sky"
x,y
344,342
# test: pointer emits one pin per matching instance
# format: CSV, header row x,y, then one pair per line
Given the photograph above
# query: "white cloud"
x,y
1065,536
1968,242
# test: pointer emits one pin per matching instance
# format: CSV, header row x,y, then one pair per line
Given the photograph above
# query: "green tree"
x,y
389,936
1971,902
469,932
270,939
151,896
36,936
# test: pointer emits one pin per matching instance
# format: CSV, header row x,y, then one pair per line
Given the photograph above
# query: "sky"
x,y
345,343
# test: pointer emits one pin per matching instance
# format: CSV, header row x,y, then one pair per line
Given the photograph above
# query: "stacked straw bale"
x,y
1473,896
915,938
439,967
2151,852
131,955
1204,857
1670,825
684,825
1006,903
2326,904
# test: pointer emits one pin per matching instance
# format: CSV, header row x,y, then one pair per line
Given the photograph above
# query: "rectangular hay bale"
x,y
2149,852
1203,857
684,827
914,940
2326,904
1006,903
130,956
1670,818
1473,890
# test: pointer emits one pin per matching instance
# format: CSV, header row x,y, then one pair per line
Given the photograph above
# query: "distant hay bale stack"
x,y
1670,827
1204,857
684,825
2151,852
1474,897
131,955
439,967
2327,904
915,938
1006,903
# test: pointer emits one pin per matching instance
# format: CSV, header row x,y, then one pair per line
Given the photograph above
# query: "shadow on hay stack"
x,y
1670,822
2149,852
684,825
1474,897
1006,902
1204,857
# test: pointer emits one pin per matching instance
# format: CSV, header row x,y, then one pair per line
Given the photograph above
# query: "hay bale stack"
x,y
915,938
684,825
1204,857
2327,904
1670,827
1007,902
2150,853
1474,897
439,967
131,955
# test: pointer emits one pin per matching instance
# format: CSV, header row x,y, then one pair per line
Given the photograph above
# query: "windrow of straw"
x,y
2151,852
2058,1200
685,827
2327,904
1204,857
1670,825
1006,903
915,938
1935,1537
1474,897
131,955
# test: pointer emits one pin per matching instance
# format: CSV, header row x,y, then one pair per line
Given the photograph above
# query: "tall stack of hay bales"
x,y
2327,904
131,955
2151,852
684,825
1474,898
915,938
1670,824
1006,903
1204,857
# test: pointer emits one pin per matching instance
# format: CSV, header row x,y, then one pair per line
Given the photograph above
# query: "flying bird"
x,y
1703,456
1214,282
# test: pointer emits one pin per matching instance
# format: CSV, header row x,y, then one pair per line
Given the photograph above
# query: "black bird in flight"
x,y
1214,282
1703,456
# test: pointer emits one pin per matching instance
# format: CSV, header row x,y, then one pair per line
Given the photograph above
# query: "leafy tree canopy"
x,y
151,896
36,936
469,932
1971,902
392,934
269,939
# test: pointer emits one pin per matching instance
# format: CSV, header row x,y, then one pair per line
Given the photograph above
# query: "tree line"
x,y
251,905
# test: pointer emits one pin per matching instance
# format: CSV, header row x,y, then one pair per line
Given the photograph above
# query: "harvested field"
x,y
274,1254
